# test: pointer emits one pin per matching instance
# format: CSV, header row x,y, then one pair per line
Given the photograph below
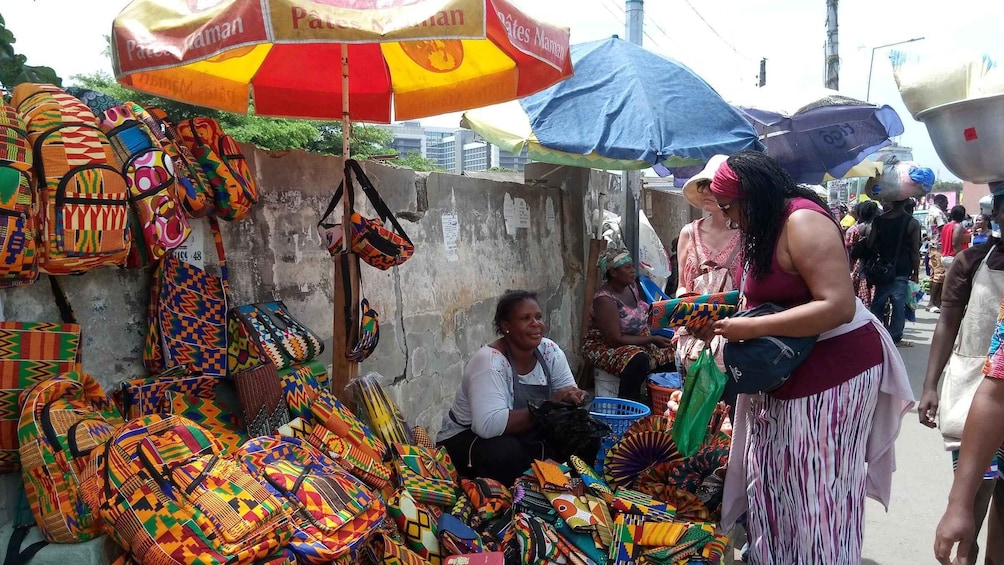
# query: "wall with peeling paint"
x,y
435,311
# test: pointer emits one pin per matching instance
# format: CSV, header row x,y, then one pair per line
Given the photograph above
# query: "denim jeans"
x,y
896,293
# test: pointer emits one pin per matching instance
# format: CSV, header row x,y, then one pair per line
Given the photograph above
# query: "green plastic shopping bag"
x,y
701,392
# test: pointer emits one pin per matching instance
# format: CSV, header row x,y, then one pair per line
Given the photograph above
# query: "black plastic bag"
x,y
567,430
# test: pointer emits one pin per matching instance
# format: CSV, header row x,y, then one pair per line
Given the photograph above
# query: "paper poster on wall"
x,y
193,250
451,233
551,216
516,213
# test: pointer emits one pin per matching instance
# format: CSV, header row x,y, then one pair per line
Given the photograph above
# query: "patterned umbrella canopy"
x,y
423,57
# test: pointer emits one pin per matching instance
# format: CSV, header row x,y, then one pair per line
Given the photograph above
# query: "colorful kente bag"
x,y
361,462
531,540
301,385
18,224
196,195
231,179
30,353
144,396
419,526
490,498
426,474
262,399
83,198
158,225
457,538
63,420
169,496
212,414
277,334
332,512
375,244
98,102
188,315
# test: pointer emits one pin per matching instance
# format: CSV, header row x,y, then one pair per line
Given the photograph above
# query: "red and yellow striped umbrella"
x,y
421,57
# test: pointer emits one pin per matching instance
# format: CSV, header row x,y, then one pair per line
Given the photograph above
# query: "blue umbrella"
x,y
625,104
830,135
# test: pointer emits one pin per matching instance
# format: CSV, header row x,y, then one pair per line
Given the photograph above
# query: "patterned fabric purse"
x,y
277,334
490,498
426,475
32,352
188,315
419,525
371,241
144,396
301,385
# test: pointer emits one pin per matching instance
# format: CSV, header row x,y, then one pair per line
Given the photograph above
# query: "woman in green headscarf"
x,y
619,341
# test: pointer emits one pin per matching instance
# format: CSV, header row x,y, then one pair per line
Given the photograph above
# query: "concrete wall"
x,y
435,311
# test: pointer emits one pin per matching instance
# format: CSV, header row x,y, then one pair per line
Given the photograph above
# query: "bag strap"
x,y
374,197
335,198
728,266
349,299
214,226
65,310
14,554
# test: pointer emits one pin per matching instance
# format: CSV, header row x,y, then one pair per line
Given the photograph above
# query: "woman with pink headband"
x,y
798,462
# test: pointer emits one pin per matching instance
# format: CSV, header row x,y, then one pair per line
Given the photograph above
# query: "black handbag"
x,y
764,364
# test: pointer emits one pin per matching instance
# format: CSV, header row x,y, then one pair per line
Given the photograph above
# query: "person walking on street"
x,y
895,242
954,237
936,218
973,291
983,438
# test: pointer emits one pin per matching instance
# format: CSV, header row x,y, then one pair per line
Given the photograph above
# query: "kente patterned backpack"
x,y
82,197
234,188
195,193
157,222
170,497
332,512
62,421
18,235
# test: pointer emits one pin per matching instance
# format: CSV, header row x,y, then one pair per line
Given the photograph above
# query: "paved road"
x,y
923,478
905,535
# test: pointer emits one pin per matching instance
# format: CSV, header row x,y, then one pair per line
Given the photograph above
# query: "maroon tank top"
x,y
777,286
832,362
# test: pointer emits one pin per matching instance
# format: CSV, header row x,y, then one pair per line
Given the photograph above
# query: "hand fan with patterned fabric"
x,y
634,454
653,423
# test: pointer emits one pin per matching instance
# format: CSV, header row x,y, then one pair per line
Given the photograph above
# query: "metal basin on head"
x,y
969,137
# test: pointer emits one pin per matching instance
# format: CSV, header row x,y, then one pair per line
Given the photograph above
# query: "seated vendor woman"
x,y
489,431
619,341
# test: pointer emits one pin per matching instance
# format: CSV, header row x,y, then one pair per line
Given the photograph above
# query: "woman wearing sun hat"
x,y
708,253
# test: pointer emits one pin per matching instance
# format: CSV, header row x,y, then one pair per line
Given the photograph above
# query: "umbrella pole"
x,y
343,370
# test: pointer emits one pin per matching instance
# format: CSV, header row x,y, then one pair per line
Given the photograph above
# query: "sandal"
x,y
905,344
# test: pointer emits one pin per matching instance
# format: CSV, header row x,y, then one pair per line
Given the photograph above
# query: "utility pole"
x,y
763,72
634,22
832,51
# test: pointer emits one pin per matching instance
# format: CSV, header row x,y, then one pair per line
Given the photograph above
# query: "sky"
x,y
721,40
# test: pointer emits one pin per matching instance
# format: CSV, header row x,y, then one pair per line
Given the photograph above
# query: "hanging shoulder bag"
x,y
375,244
188,315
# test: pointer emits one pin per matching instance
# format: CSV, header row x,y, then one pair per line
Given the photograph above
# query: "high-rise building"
x,y
455,150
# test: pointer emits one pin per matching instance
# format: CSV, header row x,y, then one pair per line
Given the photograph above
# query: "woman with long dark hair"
x,y
799,453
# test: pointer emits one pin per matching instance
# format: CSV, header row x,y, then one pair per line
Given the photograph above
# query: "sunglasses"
x,y
726,207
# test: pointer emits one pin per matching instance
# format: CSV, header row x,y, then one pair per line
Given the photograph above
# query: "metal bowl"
x,y
969,137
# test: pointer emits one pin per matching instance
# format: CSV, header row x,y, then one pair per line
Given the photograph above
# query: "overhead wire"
x,y
715,31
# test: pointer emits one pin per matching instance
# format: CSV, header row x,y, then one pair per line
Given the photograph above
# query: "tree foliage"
x,y
14,68
947,186
415,161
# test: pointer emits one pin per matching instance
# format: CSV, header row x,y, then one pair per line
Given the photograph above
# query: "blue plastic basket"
x,y
619,414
